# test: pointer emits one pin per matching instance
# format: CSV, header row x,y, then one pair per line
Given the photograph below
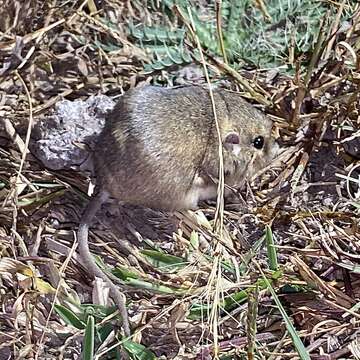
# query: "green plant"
x,y
94,321
291,25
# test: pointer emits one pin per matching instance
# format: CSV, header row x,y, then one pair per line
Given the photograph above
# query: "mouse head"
x,y
246,137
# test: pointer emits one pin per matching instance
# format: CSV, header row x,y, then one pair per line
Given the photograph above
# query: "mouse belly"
x,y
196,194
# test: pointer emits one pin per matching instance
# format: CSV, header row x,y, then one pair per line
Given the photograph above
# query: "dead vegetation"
x,y
192,293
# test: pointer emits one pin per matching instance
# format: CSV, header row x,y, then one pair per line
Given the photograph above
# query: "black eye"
x,y
259,142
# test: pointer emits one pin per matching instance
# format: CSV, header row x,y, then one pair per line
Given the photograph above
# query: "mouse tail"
x,y
83,235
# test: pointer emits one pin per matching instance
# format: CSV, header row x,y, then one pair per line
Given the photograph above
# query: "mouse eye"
x,y
259,142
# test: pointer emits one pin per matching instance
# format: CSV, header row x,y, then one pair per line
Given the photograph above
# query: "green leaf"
x,y
162,289
124,274
194,240
36,201
138,351
89,339
104,331
69,317
165,262
98,311
130,280
247,34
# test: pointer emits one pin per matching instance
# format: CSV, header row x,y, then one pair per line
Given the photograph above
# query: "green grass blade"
x,y
251,322
298,344
89,339
271,249
69,317
138,351
129,279
250,255
165,262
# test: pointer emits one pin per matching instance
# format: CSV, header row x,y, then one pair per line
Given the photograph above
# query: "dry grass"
x,y
187,288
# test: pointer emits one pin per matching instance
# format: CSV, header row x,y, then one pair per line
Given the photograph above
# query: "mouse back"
x,y
152,144
159,147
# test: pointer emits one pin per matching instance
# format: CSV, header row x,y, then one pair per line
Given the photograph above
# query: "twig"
x,y
215,275
219,213
28,132
302,88
219,29
262,7
334,29
242,81
10,130
29,37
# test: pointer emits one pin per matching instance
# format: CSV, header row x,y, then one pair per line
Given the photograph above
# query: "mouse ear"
x,y
232,138
231,143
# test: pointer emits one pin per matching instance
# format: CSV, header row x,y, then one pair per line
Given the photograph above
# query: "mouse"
x,y
159,149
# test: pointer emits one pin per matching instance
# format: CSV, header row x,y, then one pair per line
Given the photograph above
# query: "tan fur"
x,y
158,142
